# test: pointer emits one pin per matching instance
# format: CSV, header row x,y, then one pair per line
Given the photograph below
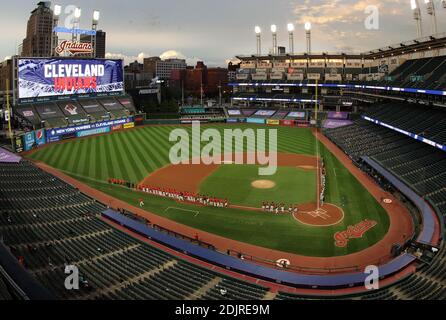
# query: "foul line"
x,y
181,209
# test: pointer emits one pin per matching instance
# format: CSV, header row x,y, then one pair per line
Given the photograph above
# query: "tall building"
x,y
150,65
100,43
164,68
194,79
38,32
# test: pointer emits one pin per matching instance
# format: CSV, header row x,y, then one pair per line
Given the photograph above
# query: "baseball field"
x,y
142,155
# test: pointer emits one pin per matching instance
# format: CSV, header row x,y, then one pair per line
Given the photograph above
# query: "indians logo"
x,y
353,232
74,47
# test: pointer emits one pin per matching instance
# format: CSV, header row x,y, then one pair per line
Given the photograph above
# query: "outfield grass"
x,y
133,154
293,185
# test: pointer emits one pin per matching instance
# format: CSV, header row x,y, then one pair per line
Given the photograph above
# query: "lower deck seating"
x,y
48,224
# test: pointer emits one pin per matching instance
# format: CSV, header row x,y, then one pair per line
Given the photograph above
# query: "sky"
x,y
215,31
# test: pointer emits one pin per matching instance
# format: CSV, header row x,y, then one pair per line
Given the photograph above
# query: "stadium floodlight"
x,y
57,10
290,28
417,16
274,32
77,13
96,15
308,33
258,32
430,6
308,26
273,28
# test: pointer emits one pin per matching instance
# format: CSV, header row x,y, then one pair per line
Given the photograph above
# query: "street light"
x,y
308,32
417,16
274,32
258,32
430,6
290,28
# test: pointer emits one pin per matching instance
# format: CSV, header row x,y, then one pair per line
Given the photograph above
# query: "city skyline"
x,y
215,32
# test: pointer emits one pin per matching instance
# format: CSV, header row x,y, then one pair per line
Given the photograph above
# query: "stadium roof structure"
x,y
422,44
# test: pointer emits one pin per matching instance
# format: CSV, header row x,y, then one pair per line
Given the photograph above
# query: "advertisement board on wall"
x,y
58,134
40,137
44,79
29,139
18,144
273,122
255,120
86,133
297,114
288,123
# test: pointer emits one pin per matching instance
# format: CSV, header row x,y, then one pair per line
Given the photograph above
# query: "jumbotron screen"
x,y
40,78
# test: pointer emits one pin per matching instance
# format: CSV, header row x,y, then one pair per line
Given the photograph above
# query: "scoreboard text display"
x,y
42,79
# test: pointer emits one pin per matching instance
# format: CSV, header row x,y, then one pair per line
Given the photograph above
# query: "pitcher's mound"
x,y
263,184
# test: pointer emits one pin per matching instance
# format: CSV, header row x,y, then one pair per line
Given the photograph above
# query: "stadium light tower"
x,y
430,6
76,21
54,41
258,32
417,16
291,35
94,27
308,31
274,32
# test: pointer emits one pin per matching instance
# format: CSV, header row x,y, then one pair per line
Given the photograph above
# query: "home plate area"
x,y
322,213
323,216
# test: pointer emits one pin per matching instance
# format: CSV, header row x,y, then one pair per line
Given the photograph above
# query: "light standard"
x,y
274,32
291,36
417,16
308,32
258,32
77,16
94,27
54,40
431,11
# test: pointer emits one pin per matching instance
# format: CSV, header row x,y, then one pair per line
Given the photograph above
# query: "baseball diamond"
x,y
140,155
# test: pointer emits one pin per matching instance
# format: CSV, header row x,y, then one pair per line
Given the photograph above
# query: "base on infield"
x,y
312,215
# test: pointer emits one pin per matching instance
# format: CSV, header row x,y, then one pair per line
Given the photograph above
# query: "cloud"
x,y
127,59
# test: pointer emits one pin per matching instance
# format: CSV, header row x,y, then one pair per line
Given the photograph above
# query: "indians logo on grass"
x,y
353,232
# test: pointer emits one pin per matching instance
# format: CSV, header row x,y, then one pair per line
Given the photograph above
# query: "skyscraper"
x,y
38,32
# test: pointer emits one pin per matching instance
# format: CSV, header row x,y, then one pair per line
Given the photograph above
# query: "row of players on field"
x,y
174,194
278,208
196,198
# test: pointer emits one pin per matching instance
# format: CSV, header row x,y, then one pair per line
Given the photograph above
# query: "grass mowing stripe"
x,y
152,166
67,153
113,168
119,155
99,158
133,165
155,149
138,153
92,155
